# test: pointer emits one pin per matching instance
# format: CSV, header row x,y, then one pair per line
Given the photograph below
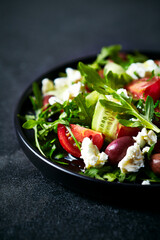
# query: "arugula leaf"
x,y
37,94
140,106
152,176
129,123
157,104
131,177
117,81
85,113
111,51
34,104
92,172
157,114
72,135
128,109
30,124
123,107
110,177
149,153
149,108
110,174
136,57
92,77
133,58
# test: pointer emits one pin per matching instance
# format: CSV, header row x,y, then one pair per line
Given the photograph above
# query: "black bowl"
x,y
67,175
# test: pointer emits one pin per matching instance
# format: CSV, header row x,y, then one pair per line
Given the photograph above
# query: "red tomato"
x,y
67,141
46,101
80,133
157,62
141,88
127,131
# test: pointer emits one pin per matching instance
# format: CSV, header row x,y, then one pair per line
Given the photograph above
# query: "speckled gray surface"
x,y
36,36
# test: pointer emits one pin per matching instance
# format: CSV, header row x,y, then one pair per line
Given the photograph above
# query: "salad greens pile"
x,y
80,110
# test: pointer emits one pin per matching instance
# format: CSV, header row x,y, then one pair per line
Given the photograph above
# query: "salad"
x,y
105,115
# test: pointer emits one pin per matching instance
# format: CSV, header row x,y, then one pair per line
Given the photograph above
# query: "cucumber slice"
x,y
92,98
114,67
104,120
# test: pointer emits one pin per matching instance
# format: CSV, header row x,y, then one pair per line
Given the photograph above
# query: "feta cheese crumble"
x,y
146,182
64,88
145,137
122,90
47,85
91,155
73,76
53,100
143,69
73,91
133,159
145,149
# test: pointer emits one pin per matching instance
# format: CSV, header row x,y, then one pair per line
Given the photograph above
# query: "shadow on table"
x,y
141,201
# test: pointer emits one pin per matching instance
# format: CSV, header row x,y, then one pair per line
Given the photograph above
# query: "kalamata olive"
x,y
157,147
155,163
117,149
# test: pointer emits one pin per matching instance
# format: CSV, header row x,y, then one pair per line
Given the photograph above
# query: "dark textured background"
x,y
34,37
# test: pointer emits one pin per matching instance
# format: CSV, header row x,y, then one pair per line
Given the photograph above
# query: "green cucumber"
x,y
104,120
92,98
114,67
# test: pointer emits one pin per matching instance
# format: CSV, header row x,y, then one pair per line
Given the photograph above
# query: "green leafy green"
x,y
110,174
85,113
117,81
133,58
30,124
149,153
37,94
149,108
111,51
92,172
105,53
151,175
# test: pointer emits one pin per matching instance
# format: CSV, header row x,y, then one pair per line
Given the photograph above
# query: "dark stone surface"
x,y
34,37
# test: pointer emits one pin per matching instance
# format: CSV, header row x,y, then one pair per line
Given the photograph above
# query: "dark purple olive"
x,y
157,147
155,163
117,149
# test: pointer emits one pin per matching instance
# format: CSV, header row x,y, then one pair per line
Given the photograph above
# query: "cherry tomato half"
x,y
80,133
127,131
141,88
46,101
